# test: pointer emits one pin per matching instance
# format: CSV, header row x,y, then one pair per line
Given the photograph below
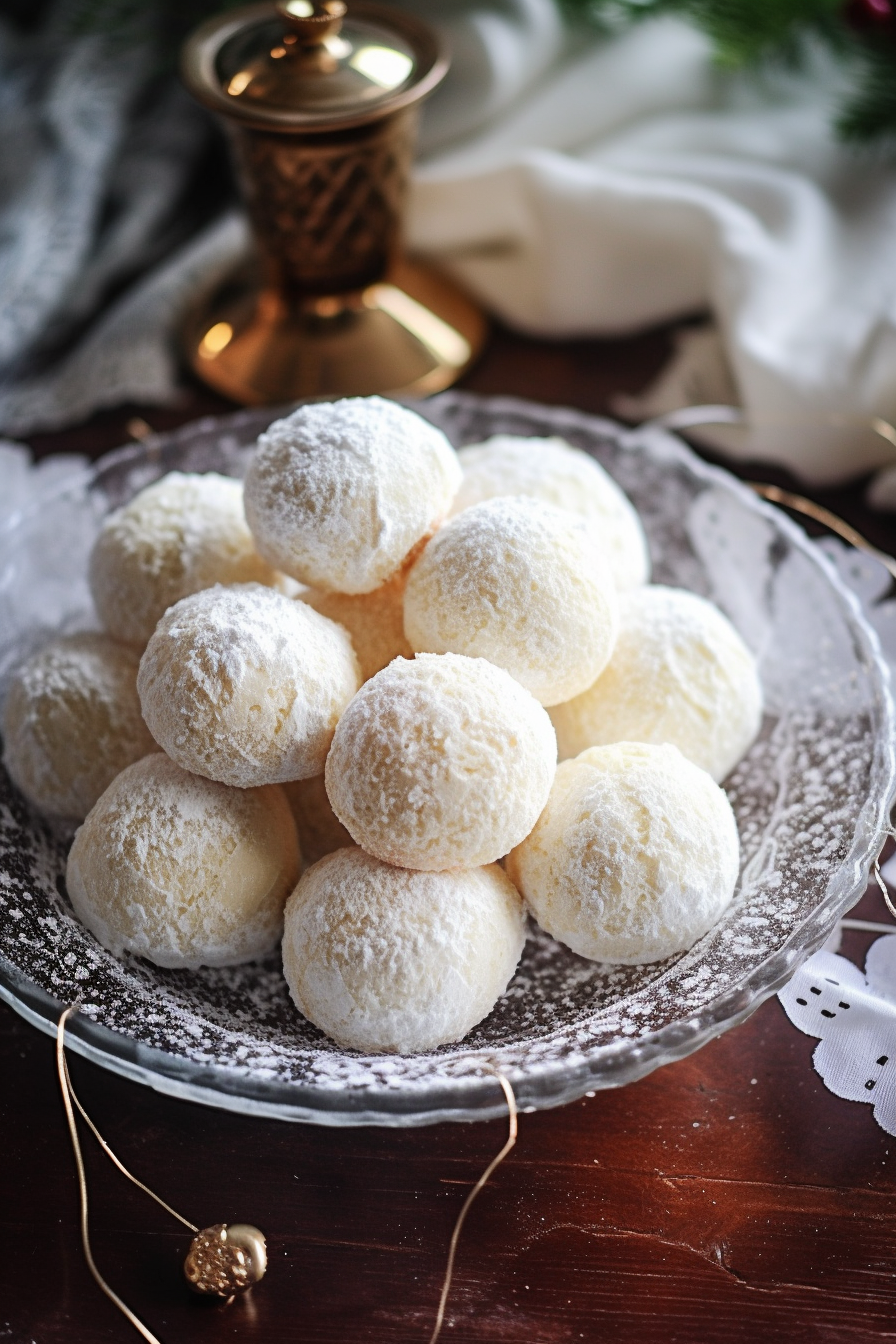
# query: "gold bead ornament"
x,y
224,1260
228,1258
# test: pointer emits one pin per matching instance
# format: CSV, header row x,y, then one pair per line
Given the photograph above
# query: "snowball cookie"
x,y
339,493
374,620
523,584
72,721
634,857
679,673
443,762
182,870
176,537
383,959
553,471
245,686
319,829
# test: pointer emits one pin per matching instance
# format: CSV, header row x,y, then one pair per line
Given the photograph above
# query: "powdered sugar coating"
x,y
383,959
635,856
441,762
374,620
679,673
181,870
339,493
182,534
72,721
553,471
522,584
245,686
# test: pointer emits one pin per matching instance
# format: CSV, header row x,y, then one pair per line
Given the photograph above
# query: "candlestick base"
x,y
412,334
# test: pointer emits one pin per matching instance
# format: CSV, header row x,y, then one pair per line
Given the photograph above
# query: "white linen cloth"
x,y
581,186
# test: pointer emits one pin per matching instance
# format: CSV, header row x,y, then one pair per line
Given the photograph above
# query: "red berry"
x,y
869,15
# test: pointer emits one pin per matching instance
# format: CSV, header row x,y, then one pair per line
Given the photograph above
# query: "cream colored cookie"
x,y
635,856
245,686
679,673
181,870
553,471
383,959
72,721
443,762
339,493
319,829
374,620
178,536
522,584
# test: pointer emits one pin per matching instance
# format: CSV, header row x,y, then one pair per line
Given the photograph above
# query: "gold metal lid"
x,y
311,65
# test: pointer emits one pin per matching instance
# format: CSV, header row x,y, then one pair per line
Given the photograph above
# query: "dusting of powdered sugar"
x,y
338,494
553,471
810,799
441,762
389,959
518,582
679,673
178,536
72,722
245,685
635,856
183,870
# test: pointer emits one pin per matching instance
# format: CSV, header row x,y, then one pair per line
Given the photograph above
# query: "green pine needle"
x,y
749,32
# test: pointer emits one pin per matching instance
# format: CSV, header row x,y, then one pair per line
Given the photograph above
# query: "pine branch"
x,y
870,111
751,32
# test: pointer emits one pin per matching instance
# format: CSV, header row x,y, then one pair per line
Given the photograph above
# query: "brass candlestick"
x,y
321,107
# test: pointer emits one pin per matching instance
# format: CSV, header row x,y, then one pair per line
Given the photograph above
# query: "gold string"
x,y
881,883
68,1095
117,1161
465,1209
799,504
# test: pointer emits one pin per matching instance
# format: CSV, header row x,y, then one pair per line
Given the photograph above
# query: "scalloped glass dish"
x,y
812,800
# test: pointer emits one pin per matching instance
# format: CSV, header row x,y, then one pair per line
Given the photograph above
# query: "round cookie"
x,y
72,721
635,856
679,673
176,537
319,829
522,584
181,870
443,762
339,493
245,686
556,473
383,959
374,620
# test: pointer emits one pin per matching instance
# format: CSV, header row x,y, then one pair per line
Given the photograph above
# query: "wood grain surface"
x,y
729,1197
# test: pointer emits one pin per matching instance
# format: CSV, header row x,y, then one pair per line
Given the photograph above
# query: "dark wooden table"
x,y
729,1197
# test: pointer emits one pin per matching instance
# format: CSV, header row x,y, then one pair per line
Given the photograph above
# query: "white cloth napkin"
x,y
590,187
634,184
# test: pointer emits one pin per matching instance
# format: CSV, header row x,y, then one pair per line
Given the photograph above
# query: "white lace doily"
x,y
854,1013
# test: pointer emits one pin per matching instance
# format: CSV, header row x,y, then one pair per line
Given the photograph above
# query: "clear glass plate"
x,y
812,800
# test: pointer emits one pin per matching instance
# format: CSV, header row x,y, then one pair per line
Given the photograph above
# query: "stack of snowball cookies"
x,y
367,659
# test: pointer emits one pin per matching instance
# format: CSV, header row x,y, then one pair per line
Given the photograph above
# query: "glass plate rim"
x,y
611,1065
